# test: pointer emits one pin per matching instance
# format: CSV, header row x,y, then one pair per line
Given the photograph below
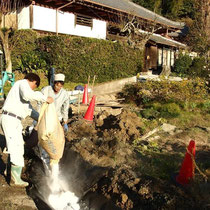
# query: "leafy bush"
x,y
185,66
22,42
31,62
157,110
150,113
170,110
182,65
198,68
204,106
165,91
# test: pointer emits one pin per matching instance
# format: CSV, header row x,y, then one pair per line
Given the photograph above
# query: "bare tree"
x,y
6,8
138,33
136,36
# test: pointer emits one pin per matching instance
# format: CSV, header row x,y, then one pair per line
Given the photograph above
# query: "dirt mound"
x,y
129,191
125,126
105,141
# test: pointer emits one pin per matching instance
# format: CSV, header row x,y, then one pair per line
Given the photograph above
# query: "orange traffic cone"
x,y
85,99
188,167
89,113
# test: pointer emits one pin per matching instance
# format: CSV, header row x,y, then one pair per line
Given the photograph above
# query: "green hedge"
x,y
76,57
23,43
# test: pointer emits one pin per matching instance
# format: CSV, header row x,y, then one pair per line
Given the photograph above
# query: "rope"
x,y
196,166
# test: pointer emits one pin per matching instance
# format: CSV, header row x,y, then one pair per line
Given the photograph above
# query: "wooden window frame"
x,y
83,20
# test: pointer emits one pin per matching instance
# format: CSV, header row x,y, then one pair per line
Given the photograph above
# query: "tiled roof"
x,y
157,38
166,41
134,9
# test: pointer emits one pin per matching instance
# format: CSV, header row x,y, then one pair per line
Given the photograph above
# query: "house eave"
x,y
116,7
159,39
137,10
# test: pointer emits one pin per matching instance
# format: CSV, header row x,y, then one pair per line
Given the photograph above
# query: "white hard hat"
x,y
59,77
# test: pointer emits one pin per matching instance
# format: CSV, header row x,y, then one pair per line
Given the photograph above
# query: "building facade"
x,y
102,19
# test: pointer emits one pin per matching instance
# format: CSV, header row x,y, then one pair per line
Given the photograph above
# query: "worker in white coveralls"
x,y
17,107
61,98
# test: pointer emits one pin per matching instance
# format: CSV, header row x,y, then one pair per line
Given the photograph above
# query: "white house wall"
x,y
168,57
65,23
24,18
172,58
98,30
44,19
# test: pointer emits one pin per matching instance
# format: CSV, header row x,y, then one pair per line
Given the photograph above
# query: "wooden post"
x,y
57,10
88,80
79,103
93,85
56,24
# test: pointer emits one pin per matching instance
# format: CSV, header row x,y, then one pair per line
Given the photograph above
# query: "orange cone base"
x,y
88,121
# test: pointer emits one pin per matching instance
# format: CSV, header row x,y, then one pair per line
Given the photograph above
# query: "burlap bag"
x,y
50,132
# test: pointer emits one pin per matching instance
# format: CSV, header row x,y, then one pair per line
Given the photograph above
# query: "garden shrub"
x,y
150,113
170,110
32,62
156,106
182,65
22,42
204,106
198,68
165,91
157,110
186,67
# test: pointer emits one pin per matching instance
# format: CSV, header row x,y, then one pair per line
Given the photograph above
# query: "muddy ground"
x,y
107,171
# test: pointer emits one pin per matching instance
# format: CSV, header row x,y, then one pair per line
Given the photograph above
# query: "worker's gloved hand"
x,y
65,127
50,100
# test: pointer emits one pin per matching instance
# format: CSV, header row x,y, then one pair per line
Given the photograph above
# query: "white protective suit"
x,y
18,103
61,100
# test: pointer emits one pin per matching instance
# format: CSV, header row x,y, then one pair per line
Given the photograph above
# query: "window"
x,y
84,20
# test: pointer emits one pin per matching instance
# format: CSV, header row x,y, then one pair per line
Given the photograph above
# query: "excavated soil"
x,y
106,172
107,142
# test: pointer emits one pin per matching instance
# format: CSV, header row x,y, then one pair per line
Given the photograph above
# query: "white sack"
x,y
50,132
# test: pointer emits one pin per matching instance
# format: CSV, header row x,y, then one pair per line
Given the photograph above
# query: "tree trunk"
x,y
8,60
7,52
4,36
166,70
